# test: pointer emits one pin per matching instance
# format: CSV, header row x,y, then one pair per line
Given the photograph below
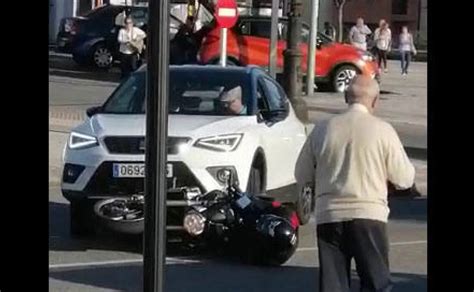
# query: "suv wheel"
x,y
342,77
229,62
255,183
102,56
304,205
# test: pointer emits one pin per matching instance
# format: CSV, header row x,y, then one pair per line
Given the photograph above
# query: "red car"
x,y
249,43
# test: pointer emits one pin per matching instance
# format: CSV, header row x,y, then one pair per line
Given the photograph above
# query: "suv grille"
x,y
136,145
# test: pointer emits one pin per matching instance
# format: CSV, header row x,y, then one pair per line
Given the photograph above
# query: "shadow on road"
x,y
60,239
217,276
408,209
64,66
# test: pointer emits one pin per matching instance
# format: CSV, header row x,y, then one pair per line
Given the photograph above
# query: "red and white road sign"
x,y
226,13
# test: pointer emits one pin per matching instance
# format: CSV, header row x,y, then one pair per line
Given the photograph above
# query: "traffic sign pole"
x,y
226,15
223,47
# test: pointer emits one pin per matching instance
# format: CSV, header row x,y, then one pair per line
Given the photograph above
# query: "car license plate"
x,y
135,170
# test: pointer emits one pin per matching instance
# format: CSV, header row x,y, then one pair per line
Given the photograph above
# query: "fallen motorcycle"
x,y
257,228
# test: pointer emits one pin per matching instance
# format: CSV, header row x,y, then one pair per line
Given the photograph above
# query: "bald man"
x,y
347,161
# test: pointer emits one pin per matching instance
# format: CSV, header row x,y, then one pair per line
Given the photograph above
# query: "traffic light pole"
x,y
292,62
154,251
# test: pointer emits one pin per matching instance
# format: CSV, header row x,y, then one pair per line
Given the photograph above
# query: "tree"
x,y
340,13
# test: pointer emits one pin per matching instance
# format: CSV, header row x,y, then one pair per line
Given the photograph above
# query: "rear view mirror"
x,y
93,111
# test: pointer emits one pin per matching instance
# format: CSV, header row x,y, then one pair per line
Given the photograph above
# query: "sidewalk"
x,y
403,103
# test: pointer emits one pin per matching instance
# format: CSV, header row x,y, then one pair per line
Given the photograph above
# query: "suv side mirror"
x,y
93,111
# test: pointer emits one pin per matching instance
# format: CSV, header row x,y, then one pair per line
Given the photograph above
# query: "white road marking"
x,y
400,243
409,242
169,260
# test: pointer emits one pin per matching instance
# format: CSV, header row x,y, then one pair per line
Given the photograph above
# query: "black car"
x,y
92,38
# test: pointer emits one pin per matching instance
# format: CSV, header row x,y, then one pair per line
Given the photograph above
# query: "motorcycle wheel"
x,y
120,224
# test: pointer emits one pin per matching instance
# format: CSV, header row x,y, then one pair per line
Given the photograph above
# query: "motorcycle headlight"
x,y
194,223
81,141
222,143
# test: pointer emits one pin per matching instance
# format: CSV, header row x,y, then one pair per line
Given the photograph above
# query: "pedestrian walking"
x,y
383,43
329,31
407,48
131,40
358,34
347,161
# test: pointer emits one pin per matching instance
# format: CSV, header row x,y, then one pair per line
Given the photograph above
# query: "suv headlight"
x,y
81,141
222,143
368,57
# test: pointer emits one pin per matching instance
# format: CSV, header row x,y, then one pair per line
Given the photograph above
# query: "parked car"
x,y
92,38
104,156
249,43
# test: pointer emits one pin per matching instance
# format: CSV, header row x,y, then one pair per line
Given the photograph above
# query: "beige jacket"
x,y
348,160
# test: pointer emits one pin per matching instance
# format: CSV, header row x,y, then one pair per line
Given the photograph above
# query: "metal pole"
x,y
223,47
154,253
272,62
74,7
292,62
313,33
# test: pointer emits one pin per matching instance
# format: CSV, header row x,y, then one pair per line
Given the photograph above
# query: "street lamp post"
x,y
154,251
292,61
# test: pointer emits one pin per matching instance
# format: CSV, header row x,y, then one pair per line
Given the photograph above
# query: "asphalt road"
x,y
109,262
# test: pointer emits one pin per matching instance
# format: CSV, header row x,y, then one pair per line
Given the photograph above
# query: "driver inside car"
x,y
231,102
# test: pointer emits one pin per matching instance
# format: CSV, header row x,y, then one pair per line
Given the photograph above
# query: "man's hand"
x,y
411,192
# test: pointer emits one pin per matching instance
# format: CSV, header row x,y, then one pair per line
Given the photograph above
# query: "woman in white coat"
x,y
130,39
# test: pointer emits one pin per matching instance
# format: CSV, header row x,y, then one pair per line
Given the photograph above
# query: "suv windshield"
x,y
190,93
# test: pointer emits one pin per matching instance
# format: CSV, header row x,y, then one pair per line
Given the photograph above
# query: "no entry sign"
x,y
226,13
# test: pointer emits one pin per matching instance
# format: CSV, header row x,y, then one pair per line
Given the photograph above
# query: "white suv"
x,y
104,156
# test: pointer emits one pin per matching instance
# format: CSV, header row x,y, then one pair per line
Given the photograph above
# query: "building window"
x,y
400,7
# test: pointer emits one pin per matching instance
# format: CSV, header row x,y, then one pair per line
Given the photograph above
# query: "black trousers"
x,y
129,63
382,57
364,240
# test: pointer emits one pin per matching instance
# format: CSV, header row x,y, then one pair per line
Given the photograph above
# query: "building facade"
x,y
412,13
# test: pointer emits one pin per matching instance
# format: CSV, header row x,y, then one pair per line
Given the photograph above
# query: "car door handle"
x,y
287,138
